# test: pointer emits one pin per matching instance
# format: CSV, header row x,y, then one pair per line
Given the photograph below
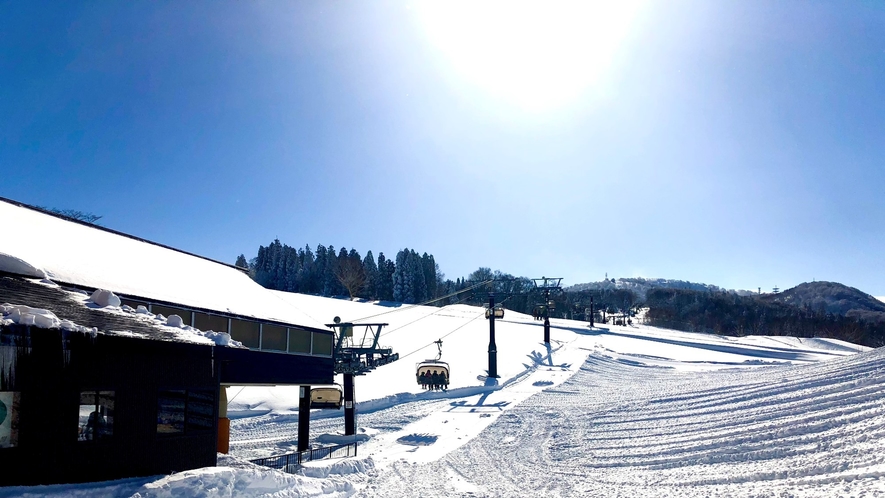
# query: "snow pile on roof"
x,y
108,302
138,322
11,264
25,315
104,298
90,256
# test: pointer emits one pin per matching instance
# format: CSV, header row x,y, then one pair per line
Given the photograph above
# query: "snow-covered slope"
x,y
610,411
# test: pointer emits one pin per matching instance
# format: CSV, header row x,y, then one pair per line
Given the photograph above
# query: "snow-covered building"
x,y
115,351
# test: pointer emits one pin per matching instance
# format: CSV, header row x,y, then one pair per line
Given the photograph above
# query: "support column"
x,y
223,422
303,418
493,348
591,311
349,406
547,316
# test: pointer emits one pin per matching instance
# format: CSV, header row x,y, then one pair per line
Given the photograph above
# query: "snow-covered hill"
x,y
609,411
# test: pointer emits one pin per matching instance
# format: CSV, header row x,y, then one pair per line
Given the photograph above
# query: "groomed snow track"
x,y
623,429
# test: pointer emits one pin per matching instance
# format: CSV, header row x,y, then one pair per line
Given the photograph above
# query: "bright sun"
x,y
537,55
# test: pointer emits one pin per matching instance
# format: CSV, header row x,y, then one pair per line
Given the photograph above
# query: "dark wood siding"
x,y
59,365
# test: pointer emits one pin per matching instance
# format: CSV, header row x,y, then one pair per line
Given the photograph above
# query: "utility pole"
x,y
545,285
591,311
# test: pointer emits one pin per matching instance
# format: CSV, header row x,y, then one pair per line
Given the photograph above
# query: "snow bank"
x,y
242,482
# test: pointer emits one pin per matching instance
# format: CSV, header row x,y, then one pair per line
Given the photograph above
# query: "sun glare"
x,y
537,55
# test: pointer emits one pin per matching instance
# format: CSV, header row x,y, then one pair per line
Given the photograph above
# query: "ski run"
x,y
610,411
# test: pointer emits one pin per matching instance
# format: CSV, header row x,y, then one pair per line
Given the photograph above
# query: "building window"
x,y
9,401
207,322
200,411
299,341
185,411
246,332
273,337
322,344
96,415
170,411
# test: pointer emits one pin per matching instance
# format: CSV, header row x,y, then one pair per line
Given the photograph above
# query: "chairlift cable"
x,y
387,332
481,315
425,302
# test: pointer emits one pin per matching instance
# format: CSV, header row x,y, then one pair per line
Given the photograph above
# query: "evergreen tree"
x,y
241,262
329,280
428,265
391,268
308,280
371,270
416,277
320,270
385,278
402,289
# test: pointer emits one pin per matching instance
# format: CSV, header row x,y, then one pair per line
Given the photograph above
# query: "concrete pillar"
x,y
223,422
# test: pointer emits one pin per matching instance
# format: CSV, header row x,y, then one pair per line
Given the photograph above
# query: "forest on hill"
x,y
820,309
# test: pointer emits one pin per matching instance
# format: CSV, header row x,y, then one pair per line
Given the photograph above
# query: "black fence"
x,y
291,461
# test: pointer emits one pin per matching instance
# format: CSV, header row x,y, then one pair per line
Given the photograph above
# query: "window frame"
x,y
107,431
188,413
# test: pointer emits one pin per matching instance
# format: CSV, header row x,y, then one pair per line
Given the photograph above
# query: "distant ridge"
x,y
834,298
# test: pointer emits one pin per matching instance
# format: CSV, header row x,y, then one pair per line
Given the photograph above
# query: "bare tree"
x,y
75,214
351,274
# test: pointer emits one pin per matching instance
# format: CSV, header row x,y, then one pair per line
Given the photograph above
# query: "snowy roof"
x,y
38,244
49,306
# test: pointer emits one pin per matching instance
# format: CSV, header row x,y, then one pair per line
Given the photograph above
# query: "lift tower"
x,y
547,285
356,353
493,312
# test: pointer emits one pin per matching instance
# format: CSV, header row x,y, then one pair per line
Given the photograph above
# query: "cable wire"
x,y
425,302
448,334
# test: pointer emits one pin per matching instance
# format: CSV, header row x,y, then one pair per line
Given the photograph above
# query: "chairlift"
x,y
426,369
328,397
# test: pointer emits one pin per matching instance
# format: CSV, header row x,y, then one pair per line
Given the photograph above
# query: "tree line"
x,y
408,278
415,278
730,314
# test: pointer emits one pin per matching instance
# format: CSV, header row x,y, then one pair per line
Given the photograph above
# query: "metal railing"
x,y
291,461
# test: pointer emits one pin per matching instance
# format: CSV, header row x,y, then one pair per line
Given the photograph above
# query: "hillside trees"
x,y
730,314
350,272
411,278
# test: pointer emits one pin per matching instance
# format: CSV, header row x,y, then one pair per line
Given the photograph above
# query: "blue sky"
x,y
737,143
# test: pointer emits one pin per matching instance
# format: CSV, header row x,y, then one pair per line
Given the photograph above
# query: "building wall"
x,y
49,369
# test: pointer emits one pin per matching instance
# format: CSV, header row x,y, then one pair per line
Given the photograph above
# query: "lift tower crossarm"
x,y
359,356
546,285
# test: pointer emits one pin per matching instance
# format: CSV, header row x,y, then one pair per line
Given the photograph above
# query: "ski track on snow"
x,y
619,430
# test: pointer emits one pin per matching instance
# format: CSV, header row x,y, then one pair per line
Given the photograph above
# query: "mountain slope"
x,y
832,297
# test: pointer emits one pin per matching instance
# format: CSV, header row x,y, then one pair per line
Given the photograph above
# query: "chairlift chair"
x,y
429,366
326,397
